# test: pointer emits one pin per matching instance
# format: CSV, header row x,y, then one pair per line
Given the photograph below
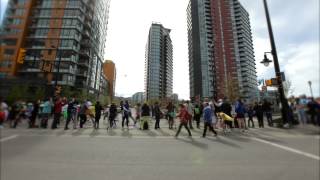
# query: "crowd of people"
x,y
213,114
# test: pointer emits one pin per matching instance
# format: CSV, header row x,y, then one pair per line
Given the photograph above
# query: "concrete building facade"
x,y
109,69
221,57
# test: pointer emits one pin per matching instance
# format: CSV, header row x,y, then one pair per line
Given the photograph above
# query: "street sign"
x,y
46,66
283,77
271,82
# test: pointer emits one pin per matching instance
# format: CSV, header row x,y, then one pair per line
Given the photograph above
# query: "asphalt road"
x,y
264,154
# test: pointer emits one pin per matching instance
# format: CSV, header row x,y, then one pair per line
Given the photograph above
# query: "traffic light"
x,y
274,81
21,55
269,82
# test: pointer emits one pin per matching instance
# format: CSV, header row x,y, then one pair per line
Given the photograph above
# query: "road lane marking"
x,y
9,138
288,148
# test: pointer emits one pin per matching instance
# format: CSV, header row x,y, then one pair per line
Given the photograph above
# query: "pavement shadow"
x,y
238,137
164,133
111,132
126,133
61,132
94,132
194,142
197,130
222,141
149,133
78,132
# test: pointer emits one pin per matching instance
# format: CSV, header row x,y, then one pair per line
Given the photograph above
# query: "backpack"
x,y
196,110
145,126
2,116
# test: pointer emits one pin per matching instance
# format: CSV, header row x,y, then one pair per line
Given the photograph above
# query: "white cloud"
x,y
303,66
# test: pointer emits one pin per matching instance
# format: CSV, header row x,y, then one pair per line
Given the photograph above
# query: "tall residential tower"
x,y
158,63
221,57
64,41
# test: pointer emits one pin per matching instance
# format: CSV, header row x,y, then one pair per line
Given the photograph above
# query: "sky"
x,y
295,26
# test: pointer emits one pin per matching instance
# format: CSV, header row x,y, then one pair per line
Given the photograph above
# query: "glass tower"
x,y
158,63
64,41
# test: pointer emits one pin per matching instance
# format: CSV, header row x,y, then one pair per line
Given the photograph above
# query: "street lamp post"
x,y
310,83
58,69
283,100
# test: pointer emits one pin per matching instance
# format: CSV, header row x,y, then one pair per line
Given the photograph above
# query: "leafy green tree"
x,y
39,93
17,92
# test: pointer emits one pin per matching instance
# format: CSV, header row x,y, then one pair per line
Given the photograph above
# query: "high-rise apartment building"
x,y
221,57
137,98
109,69
158,63
64,41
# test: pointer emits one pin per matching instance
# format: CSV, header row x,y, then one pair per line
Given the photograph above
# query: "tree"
x,y
232,89
287,88
17,92
39,93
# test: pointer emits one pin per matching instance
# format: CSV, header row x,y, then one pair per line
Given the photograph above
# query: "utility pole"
x,y
283,100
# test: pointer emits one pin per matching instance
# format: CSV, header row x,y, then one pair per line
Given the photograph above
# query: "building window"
x,y
16,21
5,64
10,42
42,32
21,2
43,22
9,51
19,12
46,3
45,12
13,31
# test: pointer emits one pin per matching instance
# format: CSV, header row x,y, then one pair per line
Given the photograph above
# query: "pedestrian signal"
x,y
58,90
21,55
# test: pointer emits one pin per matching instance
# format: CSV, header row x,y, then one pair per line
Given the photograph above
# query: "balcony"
x,y
83,62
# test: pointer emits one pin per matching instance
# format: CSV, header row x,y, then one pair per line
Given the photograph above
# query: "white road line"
x,y
288,148
9,138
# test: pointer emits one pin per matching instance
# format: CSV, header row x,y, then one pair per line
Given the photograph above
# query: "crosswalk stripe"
x,y
287,148
9,138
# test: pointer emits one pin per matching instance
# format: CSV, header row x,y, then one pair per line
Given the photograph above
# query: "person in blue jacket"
x,y
207,118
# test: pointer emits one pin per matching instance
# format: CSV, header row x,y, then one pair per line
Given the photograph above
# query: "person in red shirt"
x,y
57,113
184,116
